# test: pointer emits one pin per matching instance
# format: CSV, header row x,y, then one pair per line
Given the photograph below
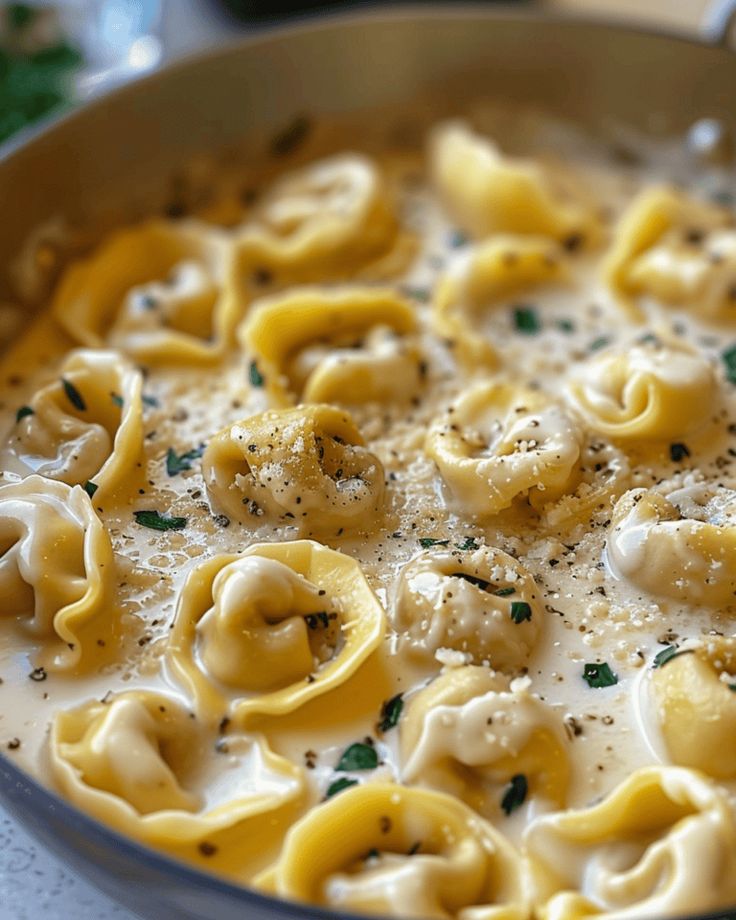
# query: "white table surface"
x,y
33,883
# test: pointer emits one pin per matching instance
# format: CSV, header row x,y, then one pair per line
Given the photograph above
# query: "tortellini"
x,y
329,219
400,852
676,251
696,706
663,843
489,193
347,345
645,392
160,292
85,427
491,272
483,604
307,466
270,629
681,546
135,762
500,442
468,734
56,571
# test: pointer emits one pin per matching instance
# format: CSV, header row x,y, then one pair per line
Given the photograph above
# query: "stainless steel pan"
x,y
124,148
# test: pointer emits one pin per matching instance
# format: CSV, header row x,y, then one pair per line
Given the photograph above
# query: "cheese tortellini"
x,y
270,629
330,219
468,734
483,604
682,545
85,427
499,442
346,345
696,706
646,392
134,760
56,571
306,466
489,193
677,252
160,292
400,852
492,271
663,843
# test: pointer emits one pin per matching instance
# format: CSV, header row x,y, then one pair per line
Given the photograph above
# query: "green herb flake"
x,y
679,452
357,757
73,395
371,854
526,320
255,376
291,137
117,400
457,239
426,542
20,15
729,359
178,463
520,611
391,713
565,325
468,544
23,412
156,521
505,592
338,785
599,343
418,293
515,793
473,580
150,401
90,487
667,654
599,675
732,687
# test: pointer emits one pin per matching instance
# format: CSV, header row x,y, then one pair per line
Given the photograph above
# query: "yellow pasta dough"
x,y
56,572
306,466
86,427
349,344
267,631
433,858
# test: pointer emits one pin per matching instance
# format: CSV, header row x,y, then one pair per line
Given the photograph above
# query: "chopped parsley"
x,y
473,580
23,412
565,325
157,521
426,542
90,487
178,463
317,620
520,611
391,713
729,359
457,239
599,675
150,401
505,592
117,399
73,395
515,793
599,343
667,654
468,544
338,785
526,320
255,376
357,757
417,293
678,452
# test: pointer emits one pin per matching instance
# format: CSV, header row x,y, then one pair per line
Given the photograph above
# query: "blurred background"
x,y
54,55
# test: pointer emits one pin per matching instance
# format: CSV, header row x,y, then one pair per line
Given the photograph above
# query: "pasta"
x,y
367,535
661,844
85,428
56,572
501,442
307,466
283,623
484,606
350,344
